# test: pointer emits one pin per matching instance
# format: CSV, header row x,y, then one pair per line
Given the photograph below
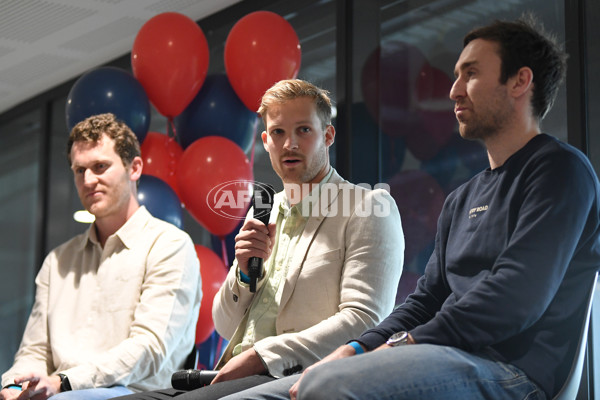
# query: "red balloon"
x,y
213,273
170,59
161,155
420,200
436,112
262,48
388,84
215,182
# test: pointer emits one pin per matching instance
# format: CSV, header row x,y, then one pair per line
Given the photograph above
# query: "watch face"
x,y
398,339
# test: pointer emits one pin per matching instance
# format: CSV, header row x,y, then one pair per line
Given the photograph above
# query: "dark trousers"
x,y
211,392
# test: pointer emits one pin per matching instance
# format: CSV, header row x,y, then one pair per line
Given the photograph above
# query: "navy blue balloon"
x,y
109,90
216,111
160,200
210,351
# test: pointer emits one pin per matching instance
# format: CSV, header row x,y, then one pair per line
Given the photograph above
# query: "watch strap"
x,y
65,385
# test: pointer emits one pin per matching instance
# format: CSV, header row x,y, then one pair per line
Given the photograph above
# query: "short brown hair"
x,y
93,128
291,89
525,43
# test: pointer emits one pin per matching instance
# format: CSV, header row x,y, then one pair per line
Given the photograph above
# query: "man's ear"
x,y
522,82
263,136
329,135
136,168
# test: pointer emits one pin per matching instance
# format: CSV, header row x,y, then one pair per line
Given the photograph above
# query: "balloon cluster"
x,y
204,166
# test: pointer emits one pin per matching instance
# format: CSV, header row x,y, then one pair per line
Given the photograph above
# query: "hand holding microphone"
x,y
263,203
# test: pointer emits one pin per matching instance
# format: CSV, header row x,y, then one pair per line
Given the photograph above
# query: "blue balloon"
x,y
216,111
210,351
160,200
109,90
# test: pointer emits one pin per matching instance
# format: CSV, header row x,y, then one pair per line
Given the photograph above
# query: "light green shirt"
x,y
263,311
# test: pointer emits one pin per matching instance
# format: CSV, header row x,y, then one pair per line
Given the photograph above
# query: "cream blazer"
x,y
342,280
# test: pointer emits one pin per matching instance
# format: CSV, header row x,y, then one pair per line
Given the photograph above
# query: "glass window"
x,y
405,87
19,179
63,200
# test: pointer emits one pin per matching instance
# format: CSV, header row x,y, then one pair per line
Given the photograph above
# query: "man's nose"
x,y
291,142
89,177
457,90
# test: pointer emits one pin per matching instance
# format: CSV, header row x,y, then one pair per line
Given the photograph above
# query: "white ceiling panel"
x,y
44,43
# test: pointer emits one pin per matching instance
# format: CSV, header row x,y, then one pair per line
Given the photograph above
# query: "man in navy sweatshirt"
x,y
497,313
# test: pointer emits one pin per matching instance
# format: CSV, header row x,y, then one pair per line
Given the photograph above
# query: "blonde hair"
x,y
291,89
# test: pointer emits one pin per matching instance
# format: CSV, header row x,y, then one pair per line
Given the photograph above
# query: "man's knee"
x,y
323,383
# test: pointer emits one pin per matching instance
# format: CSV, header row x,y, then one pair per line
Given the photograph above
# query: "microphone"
x,y
263,202
190,379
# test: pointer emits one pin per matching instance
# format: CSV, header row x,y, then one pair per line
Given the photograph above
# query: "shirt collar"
x,y
284,206
127,233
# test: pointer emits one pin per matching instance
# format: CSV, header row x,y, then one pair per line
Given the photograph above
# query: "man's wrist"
x,y
65,385
358,349
243,277
13,386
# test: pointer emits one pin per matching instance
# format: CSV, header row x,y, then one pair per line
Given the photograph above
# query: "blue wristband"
x,y
357,347
244,278
13,386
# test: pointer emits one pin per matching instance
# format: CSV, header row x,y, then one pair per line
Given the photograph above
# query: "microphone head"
x,y
264,195
186,379
190,379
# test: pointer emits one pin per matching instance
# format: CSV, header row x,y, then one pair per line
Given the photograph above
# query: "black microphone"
x,y
190,379
263,202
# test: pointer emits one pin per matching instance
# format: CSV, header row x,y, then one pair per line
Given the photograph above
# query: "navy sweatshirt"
x,y
515,253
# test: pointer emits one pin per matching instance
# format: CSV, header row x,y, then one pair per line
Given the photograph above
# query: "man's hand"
x,y
9,394
35,387
244,364
341,352
254,240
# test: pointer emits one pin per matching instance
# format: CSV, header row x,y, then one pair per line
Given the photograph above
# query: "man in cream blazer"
x,y
342,279
333,254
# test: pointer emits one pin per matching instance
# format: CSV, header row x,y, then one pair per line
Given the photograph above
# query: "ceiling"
x,y
44,43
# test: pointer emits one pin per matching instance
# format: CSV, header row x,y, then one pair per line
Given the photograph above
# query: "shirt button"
x,y
265,300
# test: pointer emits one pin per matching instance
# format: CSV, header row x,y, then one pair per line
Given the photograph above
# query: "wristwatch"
x,y
65,385
398,339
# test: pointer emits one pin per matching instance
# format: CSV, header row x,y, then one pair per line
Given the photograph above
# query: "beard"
x,y
489,119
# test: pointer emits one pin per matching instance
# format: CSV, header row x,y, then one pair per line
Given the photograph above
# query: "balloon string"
x,y
254,129
224,252
218,350
172,125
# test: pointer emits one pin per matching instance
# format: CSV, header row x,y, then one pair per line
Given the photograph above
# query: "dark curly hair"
x,y
525,43
92,128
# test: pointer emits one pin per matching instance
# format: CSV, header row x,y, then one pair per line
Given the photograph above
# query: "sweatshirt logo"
x,y
477,211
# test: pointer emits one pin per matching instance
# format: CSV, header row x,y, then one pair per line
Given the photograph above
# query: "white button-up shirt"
x,y
124,314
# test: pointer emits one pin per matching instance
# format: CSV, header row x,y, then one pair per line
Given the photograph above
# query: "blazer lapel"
x,y
308,235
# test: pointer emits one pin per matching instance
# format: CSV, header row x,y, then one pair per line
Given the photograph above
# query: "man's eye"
x,y
100,167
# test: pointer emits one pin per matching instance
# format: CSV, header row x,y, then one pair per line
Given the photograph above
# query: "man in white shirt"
x,y
116,307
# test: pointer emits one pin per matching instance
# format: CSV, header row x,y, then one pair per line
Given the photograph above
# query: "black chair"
x,y
571,386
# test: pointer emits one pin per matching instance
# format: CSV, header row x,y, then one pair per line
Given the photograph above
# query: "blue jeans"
x,y
412,372
93,394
